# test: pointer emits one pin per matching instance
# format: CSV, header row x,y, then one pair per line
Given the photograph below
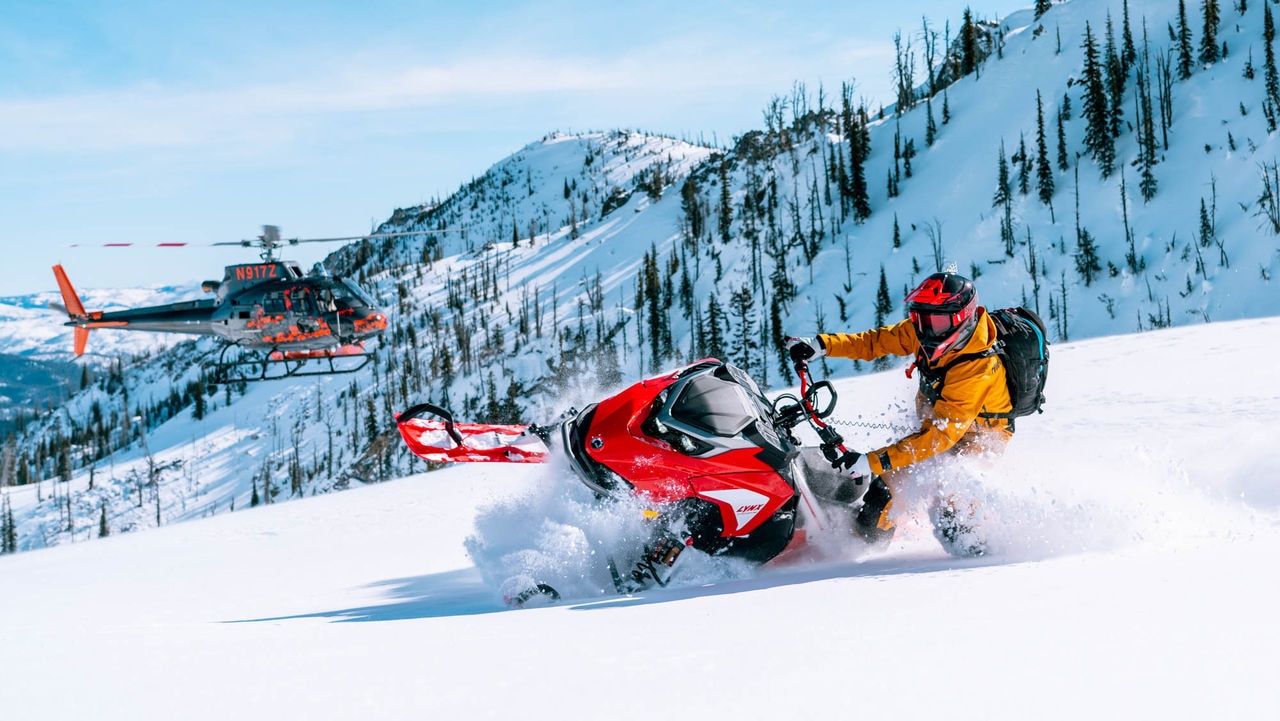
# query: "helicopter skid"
x,y
253,367
345,351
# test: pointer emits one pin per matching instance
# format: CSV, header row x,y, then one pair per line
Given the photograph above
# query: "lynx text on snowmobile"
x,y
717,463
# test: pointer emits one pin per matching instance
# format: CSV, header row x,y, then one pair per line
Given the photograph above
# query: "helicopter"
x,y
273,319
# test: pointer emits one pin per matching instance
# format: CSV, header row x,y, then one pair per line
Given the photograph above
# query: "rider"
x,y
952,339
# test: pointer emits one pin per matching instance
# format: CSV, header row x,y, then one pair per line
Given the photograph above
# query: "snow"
x,y
1138,520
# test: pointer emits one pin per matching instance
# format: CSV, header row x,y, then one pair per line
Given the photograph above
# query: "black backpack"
x,y
1023,348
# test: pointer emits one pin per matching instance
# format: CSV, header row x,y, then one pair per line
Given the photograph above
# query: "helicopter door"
x,y
301,302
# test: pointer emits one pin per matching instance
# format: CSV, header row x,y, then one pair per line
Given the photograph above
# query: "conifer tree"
x,y
1270,76
1024,166
1206,226
691,204
1087,262
859,149
1044,173
1003,189
726,203
1185,60
742,309
1063,158
1115,73
8,528
1147,184
1210,51
884,302
930,127
1042,7
1128,52
1098,138
714,340
968,44
655,313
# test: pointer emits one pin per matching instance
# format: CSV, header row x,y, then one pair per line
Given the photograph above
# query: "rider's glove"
x,y
802,349
853,463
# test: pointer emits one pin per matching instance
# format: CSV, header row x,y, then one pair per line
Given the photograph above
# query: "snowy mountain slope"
x,y
534,298
1140,524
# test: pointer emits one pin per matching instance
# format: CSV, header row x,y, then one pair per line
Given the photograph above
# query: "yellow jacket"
x,y
974,385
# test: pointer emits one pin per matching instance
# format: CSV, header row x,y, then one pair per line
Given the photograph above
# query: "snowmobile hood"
x,y
703,430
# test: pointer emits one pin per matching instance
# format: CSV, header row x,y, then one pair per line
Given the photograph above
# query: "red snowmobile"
x,y
703,448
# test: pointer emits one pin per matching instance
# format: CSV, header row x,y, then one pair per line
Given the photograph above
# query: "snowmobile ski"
x,y
442,440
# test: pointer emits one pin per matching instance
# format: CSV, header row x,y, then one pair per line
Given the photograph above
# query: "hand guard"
x,y
803,349
853,463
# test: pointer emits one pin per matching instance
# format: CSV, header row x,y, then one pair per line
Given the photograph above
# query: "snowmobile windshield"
x,y
712,410
714,405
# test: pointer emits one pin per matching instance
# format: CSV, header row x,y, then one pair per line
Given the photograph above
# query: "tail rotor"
x,y
74,309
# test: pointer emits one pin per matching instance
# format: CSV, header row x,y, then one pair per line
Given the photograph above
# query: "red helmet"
x,y
944,311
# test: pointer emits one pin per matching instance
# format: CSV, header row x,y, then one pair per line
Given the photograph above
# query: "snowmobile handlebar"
x,y
831,442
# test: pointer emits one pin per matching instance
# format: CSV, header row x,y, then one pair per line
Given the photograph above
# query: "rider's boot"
x,y
872,523
955,525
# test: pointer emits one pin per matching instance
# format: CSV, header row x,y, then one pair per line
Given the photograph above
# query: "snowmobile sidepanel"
x,y
745,500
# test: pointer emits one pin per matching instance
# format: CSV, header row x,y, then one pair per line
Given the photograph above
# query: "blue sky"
x,y
148,122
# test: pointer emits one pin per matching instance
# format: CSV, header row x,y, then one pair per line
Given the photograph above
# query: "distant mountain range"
x,y
32,385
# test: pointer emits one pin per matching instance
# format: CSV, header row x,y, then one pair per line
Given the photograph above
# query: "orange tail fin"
x,y
75,308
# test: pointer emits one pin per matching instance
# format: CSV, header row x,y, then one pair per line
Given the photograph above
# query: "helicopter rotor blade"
x,y
340,239
267,240
134,245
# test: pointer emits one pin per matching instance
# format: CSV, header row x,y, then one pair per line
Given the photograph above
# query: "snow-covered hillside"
x,y
585,261
1139,522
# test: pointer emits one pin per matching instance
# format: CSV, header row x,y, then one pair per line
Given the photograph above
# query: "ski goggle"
x,y
937,325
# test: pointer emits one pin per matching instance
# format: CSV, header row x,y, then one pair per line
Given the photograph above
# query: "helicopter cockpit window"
x,y
350,294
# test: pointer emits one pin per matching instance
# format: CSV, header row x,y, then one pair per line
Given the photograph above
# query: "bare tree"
x,y
1269,200
933,229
